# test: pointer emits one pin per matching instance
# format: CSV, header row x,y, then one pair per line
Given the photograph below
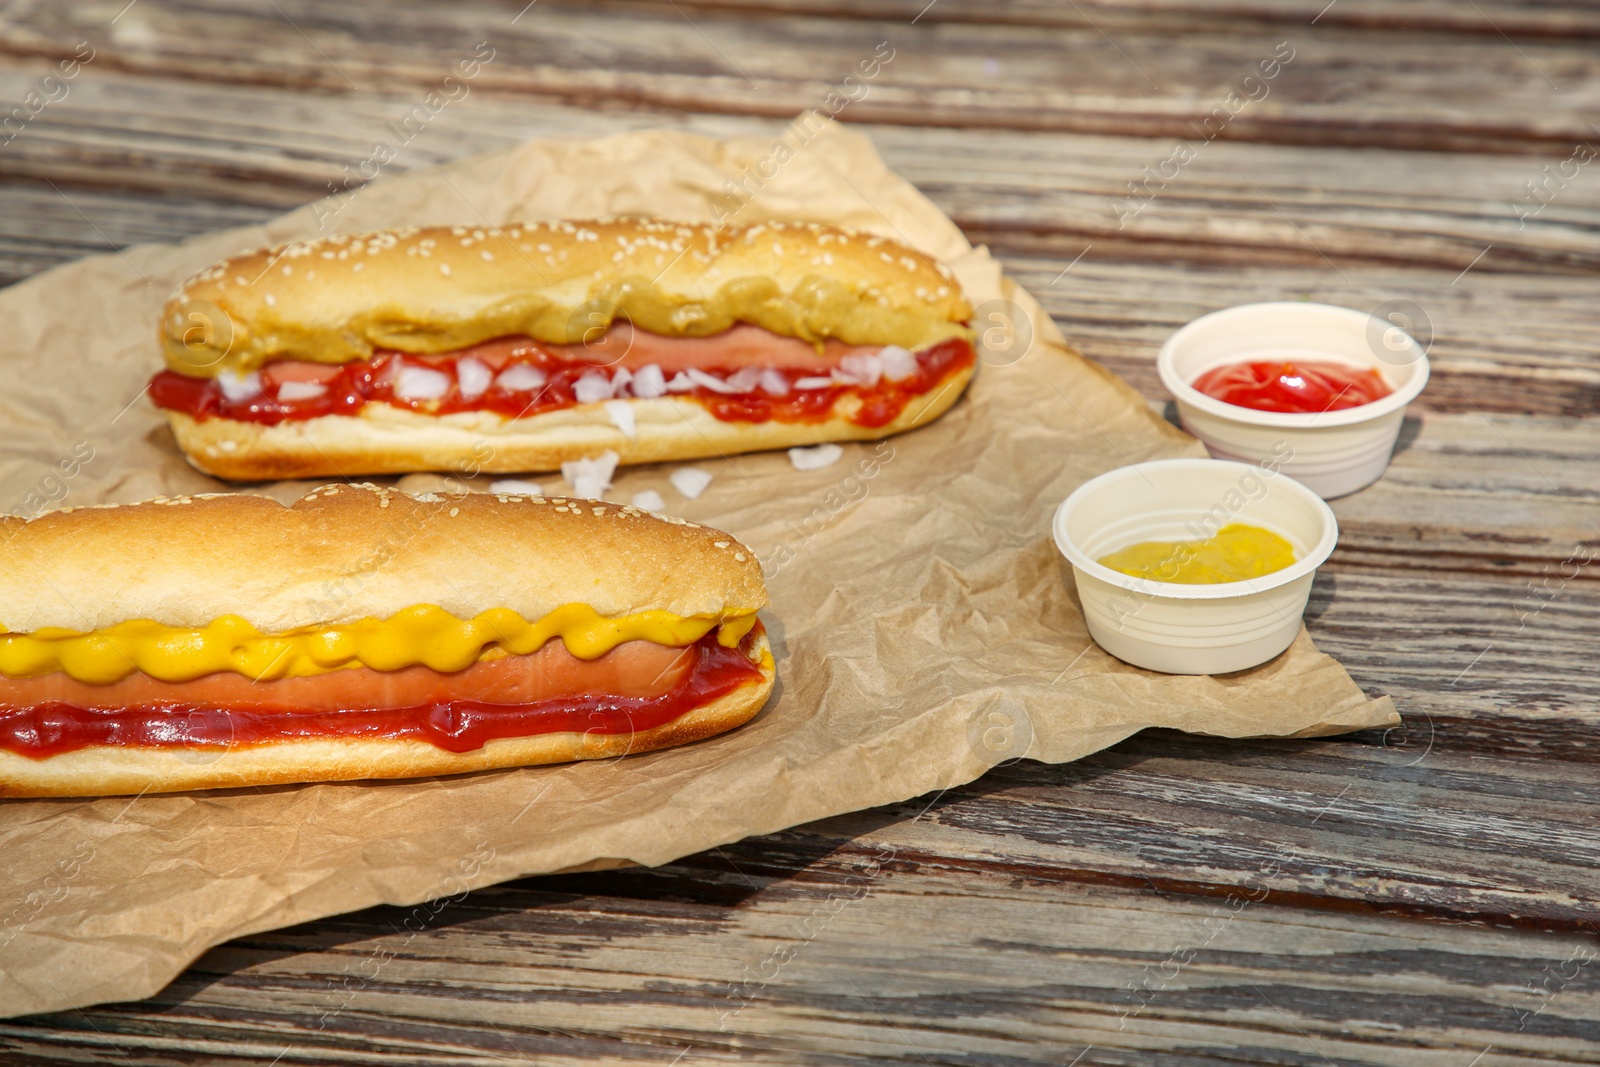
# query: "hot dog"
x,y
517,349
224,640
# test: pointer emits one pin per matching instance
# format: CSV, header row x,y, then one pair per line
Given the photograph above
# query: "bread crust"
x,y
109,771
347,552
439,289
384,439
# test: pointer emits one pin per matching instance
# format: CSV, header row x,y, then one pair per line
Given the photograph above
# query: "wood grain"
x,y
915,941
1029,195
1571,20
1526,98
1421,896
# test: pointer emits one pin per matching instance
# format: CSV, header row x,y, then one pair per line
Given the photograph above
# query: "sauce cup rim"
x,y
1185,393
1081,560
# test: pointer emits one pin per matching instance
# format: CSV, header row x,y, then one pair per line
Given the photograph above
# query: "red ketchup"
x,y
457,726
1293,387
349,387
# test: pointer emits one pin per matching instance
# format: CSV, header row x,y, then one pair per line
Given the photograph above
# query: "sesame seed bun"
x,y
439,289
348,552
384,439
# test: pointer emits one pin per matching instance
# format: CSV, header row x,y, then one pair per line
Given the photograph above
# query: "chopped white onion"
x,y
620,383
590,478
420,383
859,369
813,383
690,481
301,390
592,388
649,382
517,486
898,363
472,377
237,388
815,457
774,383
649,500
745,379
681,383
710,381
620,412
519,378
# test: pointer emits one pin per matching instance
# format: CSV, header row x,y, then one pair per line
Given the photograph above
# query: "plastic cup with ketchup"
x,y
1192,628
1296,425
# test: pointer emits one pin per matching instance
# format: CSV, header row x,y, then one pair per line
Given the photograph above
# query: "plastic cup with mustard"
x,y
1194,566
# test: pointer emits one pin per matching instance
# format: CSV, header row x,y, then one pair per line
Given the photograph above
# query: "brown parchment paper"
x,y
924,625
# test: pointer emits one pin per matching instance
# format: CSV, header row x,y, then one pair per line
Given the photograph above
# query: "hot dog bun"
x,y
347,552
438,289
436,293
353,555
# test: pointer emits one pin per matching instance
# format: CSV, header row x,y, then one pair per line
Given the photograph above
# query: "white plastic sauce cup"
x,y
1333,452
1192,629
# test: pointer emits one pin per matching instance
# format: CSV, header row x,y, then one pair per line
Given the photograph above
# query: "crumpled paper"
x,y
924,625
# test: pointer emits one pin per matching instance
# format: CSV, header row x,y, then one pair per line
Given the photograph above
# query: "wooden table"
x,y
1425,896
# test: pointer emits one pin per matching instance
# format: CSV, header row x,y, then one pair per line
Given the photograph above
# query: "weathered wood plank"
x,y
1344,87
1451,646
1041,195
42,226
742,954
1487,18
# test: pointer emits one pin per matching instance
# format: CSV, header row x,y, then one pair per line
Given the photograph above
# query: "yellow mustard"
x,y
424,634
1234,553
